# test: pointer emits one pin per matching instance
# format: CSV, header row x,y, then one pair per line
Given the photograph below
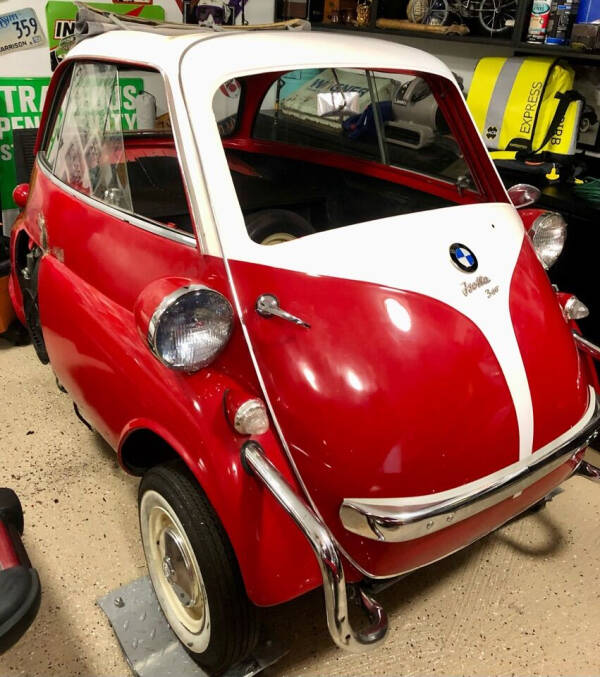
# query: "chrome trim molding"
x,y
587,346
127,217
323,545
399,520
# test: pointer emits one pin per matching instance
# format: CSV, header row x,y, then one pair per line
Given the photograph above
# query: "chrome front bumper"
x,y
396,526
587,346
328,557
405,519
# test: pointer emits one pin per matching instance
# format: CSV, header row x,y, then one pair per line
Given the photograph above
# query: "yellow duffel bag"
x,y
526,107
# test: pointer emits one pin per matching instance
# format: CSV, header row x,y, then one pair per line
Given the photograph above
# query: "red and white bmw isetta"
x,y
281,277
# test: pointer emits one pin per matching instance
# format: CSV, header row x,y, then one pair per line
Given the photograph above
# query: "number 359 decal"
x,y
20,30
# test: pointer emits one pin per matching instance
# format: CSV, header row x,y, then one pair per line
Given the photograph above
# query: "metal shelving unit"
x,y
372,29
526,48
514,41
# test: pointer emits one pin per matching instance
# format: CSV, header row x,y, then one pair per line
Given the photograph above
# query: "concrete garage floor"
x,y
523,601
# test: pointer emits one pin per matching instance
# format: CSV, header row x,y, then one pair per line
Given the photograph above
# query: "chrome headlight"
x,y
190,327
548,232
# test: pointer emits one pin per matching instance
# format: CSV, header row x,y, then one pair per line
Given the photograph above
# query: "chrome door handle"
x,y
267,305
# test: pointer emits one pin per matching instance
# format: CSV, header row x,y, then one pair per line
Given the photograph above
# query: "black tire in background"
x,y
266,222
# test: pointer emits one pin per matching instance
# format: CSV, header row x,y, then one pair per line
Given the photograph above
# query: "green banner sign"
x,y
61,18
21,104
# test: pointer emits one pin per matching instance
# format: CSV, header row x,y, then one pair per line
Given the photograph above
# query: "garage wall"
x,y
459,57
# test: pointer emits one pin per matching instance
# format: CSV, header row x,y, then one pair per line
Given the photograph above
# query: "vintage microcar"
x,y
283,281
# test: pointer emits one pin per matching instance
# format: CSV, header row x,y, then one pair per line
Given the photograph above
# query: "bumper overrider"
x,y
405,519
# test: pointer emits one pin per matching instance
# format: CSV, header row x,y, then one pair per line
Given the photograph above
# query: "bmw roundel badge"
x,y
463,258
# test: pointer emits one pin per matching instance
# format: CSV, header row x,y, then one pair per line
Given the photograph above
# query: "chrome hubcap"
x,y
177,568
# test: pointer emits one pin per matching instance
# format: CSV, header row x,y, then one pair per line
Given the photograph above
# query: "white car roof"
x,y
236,51
196,64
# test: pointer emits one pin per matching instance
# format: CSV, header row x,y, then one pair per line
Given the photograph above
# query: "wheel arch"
x,y
254,522
142,447
20,246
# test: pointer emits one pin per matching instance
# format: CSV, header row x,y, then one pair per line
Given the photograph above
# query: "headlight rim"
x,y
538,224
161,309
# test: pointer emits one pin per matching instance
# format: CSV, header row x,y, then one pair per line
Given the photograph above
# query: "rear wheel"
x,y
273,226
194,570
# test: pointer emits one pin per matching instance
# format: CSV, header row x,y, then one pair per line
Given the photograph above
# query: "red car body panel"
x,y
560,385
372,418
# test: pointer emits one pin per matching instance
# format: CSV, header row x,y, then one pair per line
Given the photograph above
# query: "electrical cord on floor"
x,y
589,190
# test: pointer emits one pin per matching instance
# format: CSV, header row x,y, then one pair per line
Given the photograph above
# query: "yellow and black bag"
x,y
526,108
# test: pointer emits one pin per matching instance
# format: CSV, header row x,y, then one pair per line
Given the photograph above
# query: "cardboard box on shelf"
x,y
586,37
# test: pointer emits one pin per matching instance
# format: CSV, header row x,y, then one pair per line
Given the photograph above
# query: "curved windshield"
x,y
330,147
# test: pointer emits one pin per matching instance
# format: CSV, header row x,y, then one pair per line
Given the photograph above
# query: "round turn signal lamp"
x,y
574,309
248,415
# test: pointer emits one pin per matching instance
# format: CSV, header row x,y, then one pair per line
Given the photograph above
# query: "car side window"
x,y
90,157
226,103
57,123
111,139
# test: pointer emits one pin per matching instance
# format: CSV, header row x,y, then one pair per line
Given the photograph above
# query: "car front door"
x,y
113,215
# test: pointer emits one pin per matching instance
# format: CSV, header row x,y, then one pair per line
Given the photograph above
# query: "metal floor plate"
x,y
150,646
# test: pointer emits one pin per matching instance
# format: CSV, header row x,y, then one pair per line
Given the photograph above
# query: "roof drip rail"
x,y
91,22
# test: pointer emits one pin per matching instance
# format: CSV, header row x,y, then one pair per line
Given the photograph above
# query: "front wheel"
x,y
194,570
